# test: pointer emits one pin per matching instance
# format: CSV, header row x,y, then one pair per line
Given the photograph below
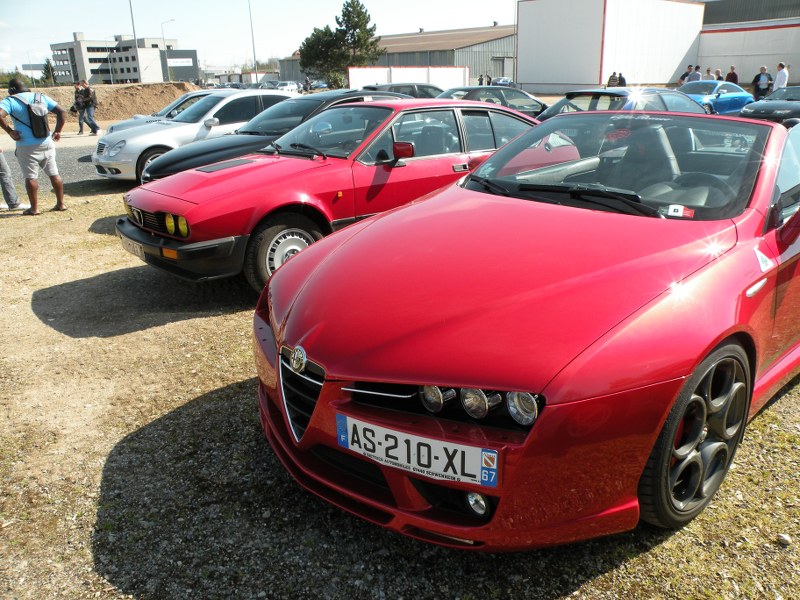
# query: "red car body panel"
x,y
424,295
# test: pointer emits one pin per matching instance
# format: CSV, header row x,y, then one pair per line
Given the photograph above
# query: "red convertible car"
x,y
570,339
251,214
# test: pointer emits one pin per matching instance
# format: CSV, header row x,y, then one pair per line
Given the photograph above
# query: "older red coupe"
x,y
568,340
251,214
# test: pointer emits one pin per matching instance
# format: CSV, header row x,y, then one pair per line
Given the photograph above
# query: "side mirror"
x,y
402,150
212,122
789,123
173,113
775,212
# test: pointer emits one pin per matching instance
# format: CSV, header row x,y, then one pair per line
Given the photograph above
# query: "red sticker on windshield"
x,y
617,134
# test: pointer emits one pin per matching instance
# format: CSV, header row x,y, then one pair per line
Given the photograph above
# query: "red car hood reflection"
x,y
235,177
413,298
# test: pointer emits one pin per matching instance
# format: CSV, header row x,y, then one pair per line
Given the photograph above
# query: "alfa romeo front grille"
x,y
300,392
152,221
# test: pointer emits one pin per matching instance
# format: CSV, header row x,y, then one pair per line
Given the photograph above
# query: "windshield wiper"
x,y
489,185
301,146
249,132
596,194
271,148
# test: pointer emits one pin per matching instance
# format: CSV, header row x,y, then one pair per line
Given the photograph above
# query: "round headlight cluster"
x,y
116,148
175,223
523,407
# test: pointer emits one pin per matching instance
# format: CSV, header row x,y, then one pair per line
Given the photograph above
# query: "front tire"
x,y
146,158
273,243
698,441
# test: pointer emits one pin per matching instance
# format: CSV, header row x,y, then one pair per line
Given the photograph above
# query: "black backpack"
x,y
37,115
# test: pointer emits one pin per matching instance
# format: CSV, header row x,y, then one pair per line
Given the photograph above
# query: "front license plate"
x,y
419,455
133,247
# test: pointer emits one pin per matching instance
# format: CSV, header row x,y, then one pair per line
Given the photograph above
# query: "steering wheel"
x,y
697,179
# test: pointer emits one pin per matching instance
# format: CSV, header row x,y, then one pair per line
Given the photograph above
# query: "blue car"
x,y
722,97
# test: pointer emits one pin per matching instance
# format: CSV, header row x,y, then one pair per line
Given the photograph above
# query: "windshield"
x,y
198,110
685,167
589,101
699,87
179,105
787,93
281,117
334,132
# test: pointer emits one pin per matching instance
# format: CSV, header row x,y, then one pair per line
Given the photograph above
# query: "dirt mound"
x,y
122,101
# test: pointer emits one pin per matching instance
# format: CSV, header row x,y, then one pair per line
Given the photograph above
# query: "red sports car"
x,y
568,340
253,213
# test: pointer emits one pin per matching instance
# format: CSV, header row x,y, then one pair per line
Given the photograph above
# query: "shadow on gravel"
x,y
105,226
96,186
135,299
196,505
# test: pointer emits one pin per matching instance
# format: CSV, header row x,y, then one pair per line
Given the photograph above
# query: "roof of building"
x,y
422,41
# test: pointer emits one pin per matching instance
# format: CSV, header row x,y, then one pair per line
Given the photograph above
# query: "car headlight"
x,y
169,223
116,148
176,224
434,398
522,407
183,226
478,403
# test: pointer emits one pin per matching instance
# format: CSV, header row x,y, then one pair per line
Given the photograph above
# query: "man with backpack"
x,y
35,147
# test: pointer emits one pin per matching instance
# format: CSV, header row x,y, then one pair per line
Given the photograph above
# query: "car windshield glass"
x,y
582,102
787,93
198,110
281,117
699,87
699,168
334,132
179,105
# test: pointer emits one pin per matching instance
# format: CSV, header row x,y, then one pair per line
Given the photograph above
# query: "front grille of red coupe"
x,y
300,392
151,221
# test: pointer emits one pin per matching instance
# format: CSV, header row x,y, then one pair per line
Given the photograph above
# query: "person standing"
x,y
33,152
79,107
621,81
781,77
718,75
480,79
613,80
761,83
708,74
732,76
695,75
682,78
488,79
7,185
90,104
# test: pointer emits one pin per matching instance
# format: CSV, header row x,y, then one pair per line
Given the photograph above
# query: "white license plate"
x,y
419,455
133,247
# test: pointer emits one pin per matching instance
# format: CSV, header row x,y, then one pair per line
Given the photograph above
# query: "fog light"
x,y
183,226
434,398
478,504
169,221
477,403
522,407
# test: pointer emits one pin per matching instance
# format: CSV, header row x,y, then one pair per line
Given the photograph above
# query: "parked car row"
x,y
408,375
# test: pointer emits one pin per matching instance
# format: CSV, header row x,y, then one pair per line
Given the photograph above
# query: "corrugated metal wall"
x,y
733,11
489,57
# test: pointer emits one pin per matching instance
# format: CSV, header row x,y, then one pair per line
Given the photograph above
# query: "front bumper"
x,y
200,261
574,476
114,168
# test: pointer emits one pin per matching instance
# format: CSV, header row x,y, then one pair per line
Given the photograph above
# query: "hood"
x,y
471,289
787,108
203,152
139,128
239,176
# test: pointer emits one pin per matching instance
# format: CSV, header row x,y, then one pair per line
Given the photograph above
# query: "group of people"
x,y
485,79
84,105
762,83
615,80
32,152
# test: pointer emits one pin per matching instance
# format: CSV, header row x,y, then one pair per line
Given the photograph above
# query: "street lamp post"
x,y
253,36
166,52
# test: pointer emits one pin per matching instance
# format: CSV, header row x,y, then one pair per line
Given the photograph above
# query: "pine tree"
x,y
49,72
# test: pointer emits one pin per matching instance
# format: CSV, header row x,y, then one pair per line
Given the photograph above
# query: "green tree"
x,y
323,54
49,72
363,47
327,53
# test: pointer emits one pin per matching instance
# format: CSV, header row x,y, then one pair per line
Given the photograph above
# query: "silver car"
x,y
170,111
124,154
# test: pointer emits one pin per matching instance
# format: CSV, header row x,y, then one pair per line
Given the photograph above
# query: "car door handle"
x,y
461,167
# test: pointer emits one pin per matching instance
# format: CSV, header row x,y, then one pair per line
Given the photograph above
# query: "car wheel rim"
x,y
285,245
707,435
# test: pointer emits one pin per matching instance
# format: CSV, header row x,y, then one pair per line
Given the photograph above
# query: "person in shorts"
x,y
33,153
